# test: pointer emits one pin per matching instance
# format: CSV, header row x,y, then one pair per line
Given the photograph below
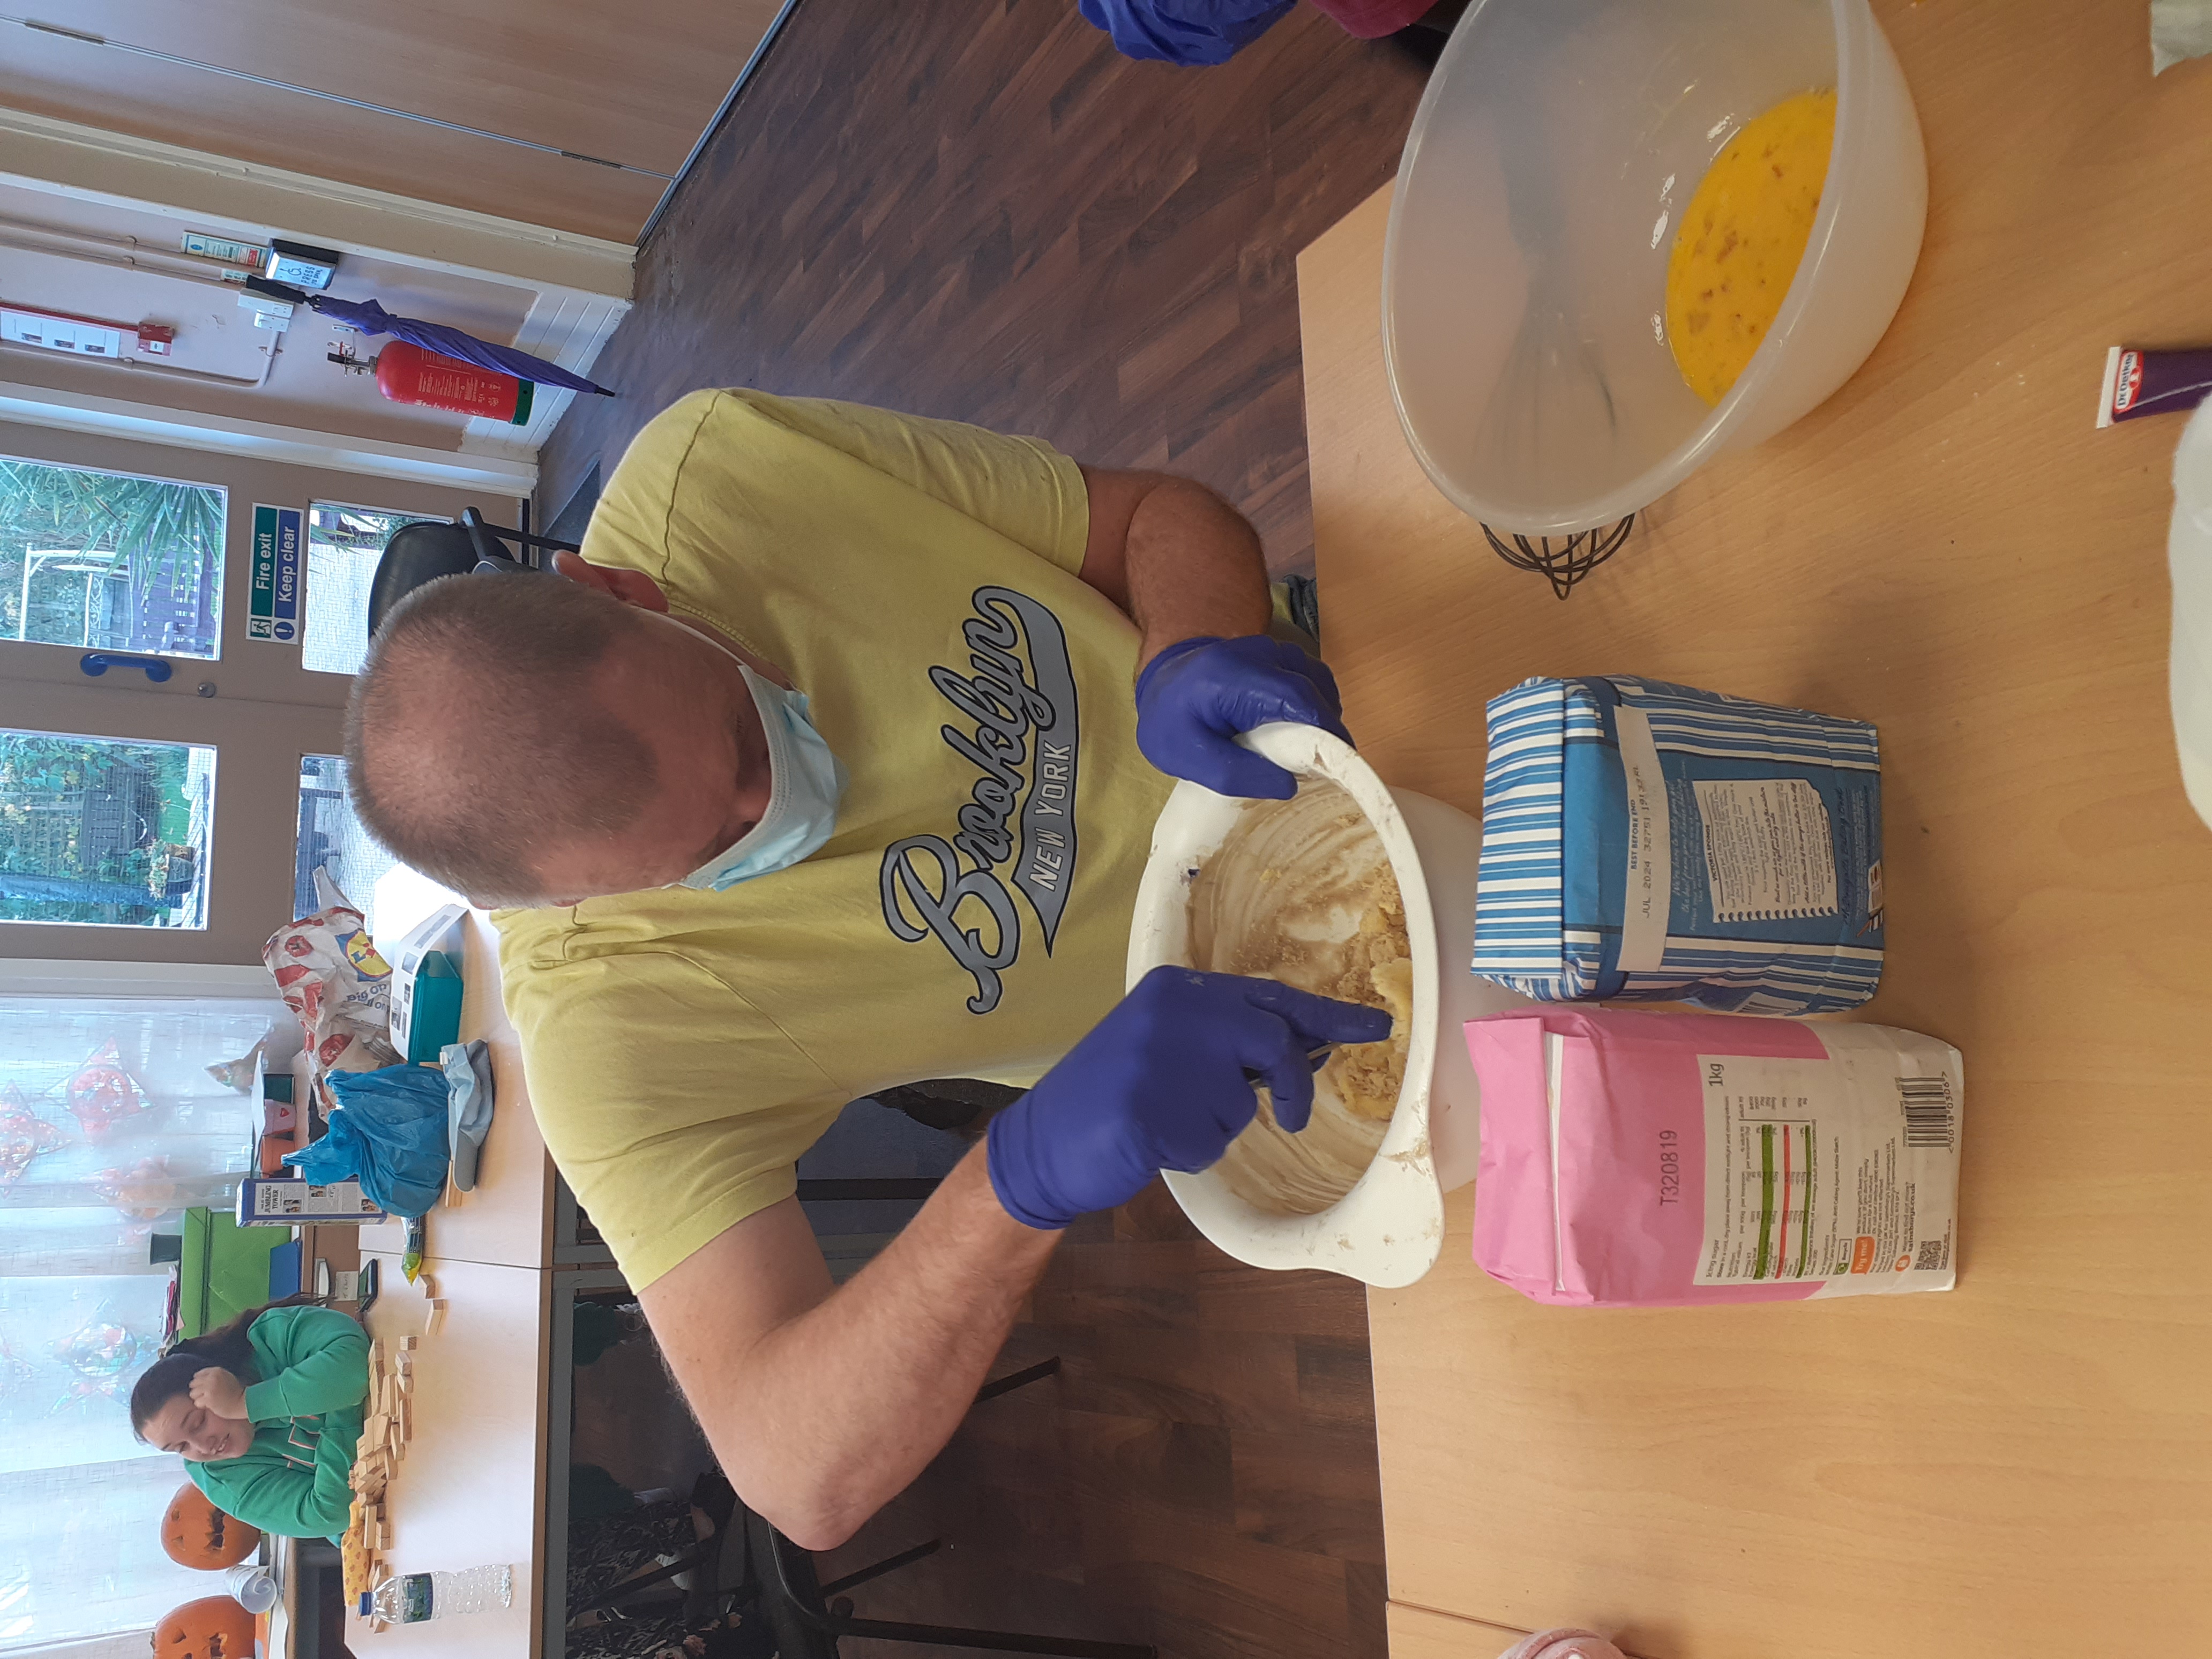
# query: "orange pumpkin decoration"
x,y
213,1627
196,1533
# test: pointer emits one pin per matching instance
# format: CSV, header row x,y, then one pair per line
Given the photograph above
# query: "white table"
x,y
485,1478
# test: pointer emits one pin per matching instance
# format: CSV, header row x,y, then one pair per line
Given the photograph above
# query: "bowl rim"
x,y
1388,1230
1851,20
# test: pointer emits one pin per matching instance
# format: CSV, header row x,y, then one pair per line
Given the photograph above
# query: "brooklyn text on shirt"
x,y
1017,703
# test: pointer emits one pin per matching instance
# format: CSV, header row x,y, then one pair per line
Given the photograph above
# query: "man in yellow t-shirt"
x,y
818,773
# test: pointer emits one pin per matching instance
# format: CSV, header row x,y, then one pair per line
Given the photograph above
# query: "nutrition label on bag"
x,y
1843,1171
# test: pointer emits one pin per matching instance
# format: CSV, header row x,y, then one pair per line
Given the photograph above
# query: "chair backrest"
x,y
418,553
790,1594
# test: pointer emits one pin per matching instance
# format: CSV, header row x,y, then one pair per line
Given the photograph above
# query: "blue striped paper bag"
x,y
1645,843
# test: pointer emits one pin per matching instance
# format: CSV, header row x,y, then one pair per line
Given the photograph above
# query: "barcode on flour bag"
x,y
1647,843
1928,1120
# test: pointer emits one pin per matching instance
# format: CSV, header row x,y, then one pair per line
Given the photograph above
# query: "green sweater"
x,y
306,1413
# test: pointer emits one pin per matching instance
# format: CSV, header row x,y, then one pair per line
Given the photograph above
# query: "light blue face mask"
x,y
806,784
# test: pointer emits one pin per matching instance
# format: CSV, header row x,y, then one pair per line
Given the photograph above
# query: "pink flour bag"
x,y
1635,1158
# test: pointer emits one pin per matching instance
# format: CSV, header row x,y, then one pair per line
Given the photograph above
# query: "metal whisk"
x,y
1561,560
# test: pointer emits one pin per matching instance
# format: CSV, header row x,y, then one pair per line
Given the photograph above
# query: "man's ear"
x,y
625,587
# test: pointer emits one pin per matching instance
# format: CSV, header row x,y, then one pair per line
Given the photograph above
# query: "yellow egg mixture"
x,y
1742,238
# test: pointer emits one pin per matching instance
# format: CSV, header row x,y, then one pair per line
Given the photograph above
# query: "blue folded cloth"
x,y
1646,842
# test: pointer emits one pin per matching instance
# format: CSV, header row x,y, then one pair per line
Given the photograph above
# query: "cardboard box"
x,y
426,985
430,1017
268,1202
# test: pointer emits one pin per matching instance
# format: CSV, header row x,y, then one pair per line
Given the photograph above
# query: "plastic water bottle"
x,y
410,1598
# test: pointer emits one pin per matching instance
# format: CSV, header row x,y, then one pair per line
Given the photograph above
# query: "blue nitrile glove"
x,y
1193,33
1196,696
1161,1084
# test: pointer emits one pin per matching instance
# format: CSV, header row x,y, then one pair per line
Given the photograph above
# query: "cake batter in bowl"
x,y
1352,889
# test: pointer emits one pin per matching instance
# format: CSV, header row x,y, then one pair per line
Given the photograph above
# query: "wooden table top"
x,y
1946,548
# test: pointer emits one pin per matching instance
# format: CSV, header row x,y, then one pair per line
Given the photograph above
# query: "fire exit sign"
x,y
273,604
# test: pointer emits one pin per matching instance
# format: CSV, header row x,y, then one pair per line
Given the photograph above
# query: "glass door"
x,y
110,561
344,544
178,635
100,830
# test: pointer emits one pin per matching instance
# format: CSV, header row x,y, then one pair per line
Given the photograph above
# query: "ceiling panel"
x,y
635,82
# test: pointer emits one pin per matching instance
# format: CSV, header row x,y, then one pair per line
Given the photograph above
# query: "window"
x,y
331,839
110,561
106,832
344,544
116,1125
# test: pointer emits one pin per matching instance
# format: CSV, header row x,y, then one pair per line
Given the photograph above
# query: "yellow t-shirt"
x,y
970,917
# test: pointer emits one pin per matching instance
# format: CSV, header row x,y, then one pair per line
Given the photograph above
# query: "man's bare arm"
x,y
822,1403
1176,557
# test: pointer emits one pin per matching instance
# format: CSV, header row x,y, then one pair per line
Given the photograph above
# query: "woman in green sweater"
x,y
266,1412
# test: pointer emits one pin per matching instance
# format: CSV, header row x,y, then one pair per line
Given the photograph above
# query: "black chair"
x,y
420,553
867,1186
653,1592
808,1618
772,1579
768,1577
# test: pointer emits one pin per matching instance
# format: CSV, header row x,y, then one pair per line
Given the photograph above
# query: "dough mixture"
x,y
1742,237
1302,892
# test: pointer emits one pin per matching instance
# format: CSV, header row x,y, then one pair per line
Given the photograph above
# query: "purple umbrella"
x,y
371,317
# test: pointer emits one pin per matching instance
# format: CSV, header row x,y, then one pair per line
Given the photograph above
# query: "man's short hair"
x,y
475,733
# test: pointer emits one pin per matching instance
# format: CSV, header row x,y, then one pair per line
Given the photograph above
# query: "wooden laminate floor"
x,y
981,212
978,211
1200,1475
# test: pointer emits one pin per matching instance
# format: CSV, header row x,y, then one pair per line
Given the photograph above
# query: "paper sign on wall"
x,y
273,611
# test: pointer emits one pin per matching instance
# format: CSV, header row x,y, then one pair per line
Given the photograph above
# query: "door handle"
x,y
96,663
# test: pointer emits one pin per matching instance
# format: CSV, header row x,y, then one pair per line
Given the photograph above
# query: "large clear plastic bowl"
x,y
1524,276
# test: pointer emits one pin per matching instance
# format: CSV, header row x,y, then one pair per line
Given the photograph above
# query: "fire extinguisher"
x,y
406,374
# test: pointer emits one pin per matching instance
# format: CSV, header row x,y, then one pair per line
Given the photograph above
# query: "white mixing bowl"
x,y
1388,1230
1524,276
